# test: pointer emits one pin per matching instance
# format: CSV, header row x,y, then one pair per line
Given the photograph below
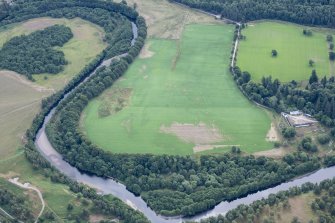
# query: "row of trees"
x,y
316,12
118,14
34,53
323,205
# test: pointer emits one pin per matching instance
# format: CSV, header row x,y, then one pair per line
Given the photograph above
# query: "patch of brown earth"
x,y
272,135
37,24
272,153
145,52
199,134
95,218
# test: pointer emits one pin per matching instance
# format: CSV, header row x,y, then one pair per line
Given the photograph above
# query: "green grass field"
x,y
186,82
294,51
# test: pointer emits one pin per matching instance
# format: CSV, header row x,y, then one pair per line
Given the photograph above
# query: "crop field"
x,y
178,98
79,51
294,51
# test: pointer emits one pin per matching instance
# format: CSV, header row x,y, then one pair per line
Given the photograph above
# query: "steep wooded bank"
x,y
115,19
315,13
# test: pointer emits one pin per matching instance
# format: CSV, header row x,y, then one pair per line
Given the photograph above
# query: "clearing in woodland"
x,y
182,97
293,47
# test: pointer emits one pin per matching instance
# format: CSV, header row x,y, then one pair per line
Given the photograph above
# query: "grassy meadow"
x,y
185,82
294,51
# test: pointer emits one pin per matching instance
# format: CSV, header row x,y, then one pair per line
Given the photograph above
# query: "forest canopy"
x,y
34,53
316,12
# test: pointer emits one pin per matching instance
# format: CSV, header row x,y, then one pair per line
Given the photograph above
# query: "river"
x,y
109,186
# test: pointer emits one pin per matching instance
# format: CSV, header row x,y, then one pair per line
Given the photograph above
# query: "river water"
x,y
109,186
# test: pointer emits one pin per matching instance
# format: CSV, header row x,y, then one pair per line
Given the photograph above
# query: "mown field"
x,y
294,51
177,95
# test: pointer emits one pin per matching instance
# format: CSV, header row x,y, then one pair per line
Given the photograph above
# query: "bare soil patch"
x,y
272,135
273,153
199,134
145,52
94,218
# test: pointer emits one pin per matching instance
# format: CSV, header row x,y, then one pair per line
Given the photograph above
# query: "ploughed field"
x,y
293,47
178,97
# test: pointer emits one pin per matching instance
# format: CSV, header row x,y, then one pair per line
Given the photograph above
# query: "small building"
x,y
296,113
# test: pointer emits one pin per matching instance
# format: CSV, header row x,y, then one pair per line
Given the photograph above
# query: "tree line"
x,y
34,53
322,205
306,12
118,15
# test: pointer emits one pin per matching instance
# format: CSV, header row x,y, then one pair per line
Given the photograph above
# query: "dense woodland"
x,y
16,205
323,205
34,53
317,98
307,12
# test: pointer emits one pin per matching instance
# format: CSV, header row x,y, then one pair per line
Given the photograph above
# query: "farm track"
x,y
28,187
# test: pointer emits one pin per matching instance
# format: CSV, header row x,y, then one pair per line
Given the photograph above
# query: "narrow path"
x,y
27,186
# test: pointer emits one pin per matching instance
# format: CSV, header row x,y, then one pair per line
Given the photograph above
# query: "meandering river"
x,y
108,186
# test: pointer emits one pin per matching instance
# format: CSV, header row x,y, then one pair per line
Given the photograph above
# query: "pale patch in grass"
x,y
145,52
196,134
272,135
276,153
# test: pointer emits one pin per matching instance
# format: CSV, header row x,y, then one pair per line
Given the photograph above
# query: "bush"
x,y
289,132
307,144
323,139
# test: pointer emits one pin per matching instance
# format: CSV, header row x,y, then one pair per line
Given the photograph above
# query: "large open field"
x,y
294,51
178,98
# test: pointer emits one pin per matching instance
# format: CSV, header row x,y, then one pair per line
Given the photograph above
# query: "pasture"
x,y
178,97
294,51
